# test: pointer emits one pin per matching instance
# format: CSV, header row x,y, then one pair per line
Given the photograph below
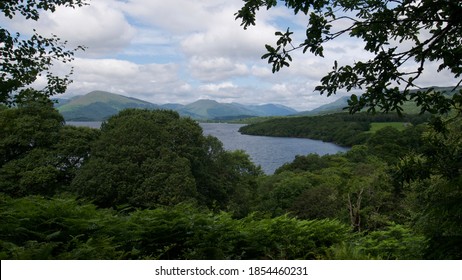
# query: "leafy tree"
x,y
282,190
23,60
143,158
432,179
319,202
150,158
393,243
311,162
237,176
33,124
38,154
382,25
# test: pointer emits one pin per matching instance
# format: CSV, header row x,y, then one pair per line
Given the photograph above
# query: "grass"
x,y
375,126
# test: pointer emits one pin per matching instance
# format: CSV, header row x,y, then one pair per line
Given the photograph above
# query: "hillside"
x,y
99,105
333,107
340,128
409,107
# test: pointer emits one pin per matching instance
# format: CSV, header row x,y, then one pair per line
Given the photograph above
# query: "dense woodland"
x,y
340,128
149,185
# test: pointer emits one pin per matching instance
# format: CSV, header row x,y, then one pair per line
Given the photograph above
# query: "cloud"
x,y
125,77
217,87
180,51
100,26
215,68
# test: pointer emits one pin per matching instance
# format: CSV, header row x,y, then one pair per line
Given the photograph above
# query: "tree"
x,y
143,158
22,61
433,179
33,124
38,154
148,158
382,25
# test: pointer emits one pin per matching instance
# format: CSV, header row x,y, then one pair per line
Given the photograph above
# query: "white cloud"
x,y
125,77
217,87
100,26
215,68
180,51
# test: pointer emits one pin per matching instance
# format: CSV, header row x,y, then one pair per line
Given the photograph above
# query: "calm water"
x,y
269,152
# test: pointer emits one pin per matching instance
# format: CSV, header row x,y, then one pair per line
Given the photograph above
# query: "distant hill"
x,y
330,108
213,110
409,107
100,105
267,110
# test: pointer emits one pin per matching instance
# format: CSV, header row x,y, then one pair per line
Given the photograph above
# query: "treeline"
x,y
341,128
149,185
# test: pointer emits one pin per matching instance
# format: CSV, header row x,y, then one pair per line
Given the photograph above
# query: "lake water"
x,y
268,152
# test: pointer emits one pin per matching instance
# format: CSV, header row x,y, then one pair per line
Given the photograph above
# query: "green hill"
x,y
330,108
213,110
409,107
99,105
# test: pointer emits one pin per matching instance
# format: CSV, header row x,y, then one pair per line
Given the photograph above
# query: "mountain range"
x,y
100,105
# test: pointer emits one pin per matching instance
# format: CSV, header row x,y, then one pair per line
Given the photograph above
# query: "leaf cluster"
x,y
30,9
63,228
381,25
22,61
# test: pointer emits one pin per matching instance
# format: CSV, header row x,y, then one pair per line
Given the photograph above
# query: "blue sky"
x,y
179,51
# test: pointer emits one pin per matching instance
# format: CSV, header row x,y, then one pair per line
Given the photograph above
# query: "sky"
x,y
179,51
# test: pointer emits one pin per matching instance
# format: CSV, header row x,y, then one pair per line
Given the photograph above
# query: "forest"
x,y
149,185
340,128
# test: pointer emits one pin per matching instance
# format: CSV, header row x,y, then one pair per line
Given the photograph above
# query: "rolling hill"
x,y
100,105
409,107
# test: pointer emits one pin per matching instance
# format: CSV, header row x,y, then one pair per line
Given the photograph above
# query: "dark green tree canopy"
x,y
22,60
431,29
150,158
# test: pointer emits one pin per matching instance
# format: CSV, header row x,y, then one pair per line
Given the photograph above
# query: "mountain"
x,y
100,105
213,110
409,107
207,109
267,110
333,107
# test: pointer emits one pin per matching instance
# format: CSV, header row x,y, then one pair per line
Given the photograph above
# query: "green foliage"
x,y
288,238
63,228
35,124
342,129
39,155
432,181
143,158
354,187
379,24
23,60
394,242
378,126
278,193
60,228
150,158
